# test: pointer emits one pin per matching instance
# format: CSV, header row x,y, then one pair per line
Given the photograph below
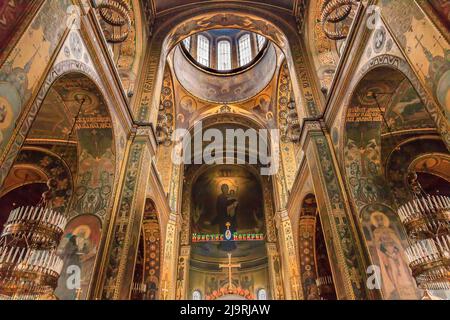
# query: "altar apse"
x,y
229,254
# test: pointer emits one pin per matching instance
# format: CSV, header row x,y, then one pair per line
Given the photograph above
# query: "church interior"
x,y
114,120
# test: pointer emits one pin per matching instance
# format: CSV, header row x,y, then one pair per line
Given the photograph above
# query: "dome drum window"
x,y
224,51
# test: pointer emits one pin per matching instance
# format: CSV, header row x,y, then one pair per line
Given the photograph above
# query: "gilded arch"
x,y
256,20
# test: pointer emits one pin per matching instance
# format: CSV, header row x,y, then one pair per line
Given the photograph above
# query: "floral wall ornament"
x,y
166,121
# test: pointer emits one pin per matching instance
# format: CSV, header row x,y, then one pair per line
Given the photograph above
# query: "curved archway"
x,y
384,111
227,198
423,155
184,23
436,164
69,133
25,123
237,177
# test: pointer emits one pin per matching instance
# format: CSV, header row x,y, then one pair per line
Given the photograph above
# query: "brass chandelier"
x,y
427,222
29,266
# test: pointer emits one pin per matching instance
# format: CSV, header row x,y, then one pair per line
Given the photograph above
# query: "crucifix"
x,y
164,290
230,266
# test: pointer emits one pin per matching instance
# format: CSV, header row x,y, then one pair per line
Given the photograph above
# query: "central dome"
x,y
224,50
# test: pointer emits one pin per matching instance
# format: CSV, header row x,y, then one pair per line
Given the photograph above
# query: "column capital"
x,y
147,132
309,127
283,214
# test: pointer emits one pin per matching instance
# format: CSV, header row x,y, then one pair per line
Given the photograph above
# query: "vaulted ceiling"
x,y
164,5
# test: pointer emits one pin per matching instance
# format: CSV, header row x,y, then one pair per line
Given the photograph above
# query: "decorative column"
x,y
276,281
183,274
292,284
123,234
347,256
169,271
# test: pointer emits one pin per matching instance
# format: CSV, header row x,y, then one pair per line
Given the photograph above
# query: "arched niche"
x,y
128,55
71,120
324,51
426,155
242,203
384,112
315,270
433,170
220,122
27,181
147,271
74,117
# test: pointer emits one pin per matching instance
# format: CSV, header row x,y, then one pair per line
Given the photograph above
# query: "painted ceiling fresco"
x,y
12,15
163,5
61,106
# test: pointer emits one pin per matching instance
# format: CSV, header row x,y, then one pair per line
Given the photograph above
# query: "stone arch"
x,y
29,114
51,166
364,171
400,161
400,65
96,169
184,23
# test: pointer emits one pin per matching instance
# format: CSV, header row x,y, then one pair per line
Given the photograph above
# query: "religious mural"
x,y
227,198
365,172
219,89
386,243
431,53
21,72
78,249
406,110
227,194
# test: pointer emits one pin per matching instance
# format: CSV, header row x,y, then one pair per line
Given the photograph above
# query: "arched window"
x,y
262,294
196,295
224,55
245,50
187,43
261,41
203,50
